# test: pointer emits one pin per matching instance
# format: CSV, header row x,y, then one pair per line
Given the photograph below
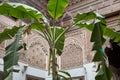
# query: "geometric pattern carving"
x,y
37,51
2,50
77,49
72,54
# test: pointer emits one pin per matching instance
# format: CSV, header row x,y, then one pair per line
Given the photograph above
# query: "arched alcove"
x,y
37,51
72,56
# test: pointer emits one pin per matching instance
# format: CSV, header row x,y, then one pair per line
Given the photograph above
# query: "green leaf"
x,y
56,7
65,75
112,34
11,59
88,19
84,16
62,76
85,25
97,57
8,33
11,46
12,55
97,36
38,26
18,10
58,35
103,73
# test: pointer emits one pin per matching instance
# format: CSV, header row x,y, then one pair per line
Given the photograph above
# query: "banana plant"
x,y
55,36
97,24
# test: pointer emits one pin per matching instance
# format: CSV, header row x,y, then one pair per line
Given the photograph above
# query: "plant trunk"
x,y
54,64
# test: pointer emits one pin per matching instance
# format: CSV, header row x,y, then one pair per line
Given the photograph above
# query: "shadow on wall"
x,y
28,77
79,78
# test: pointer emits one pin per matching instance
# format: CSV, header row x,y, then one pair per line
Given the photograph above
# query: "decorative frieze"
x,y
101,6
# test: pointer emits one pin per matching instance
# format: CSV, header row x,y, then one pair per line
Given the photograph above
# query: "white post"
x,y
90,71
48,77
21,75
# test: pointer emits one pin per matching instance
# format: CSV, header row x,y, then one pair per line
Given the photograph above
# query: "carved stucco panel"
x,y
77,49
72,54
88,48
2,45
37,51
77,34
73,50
